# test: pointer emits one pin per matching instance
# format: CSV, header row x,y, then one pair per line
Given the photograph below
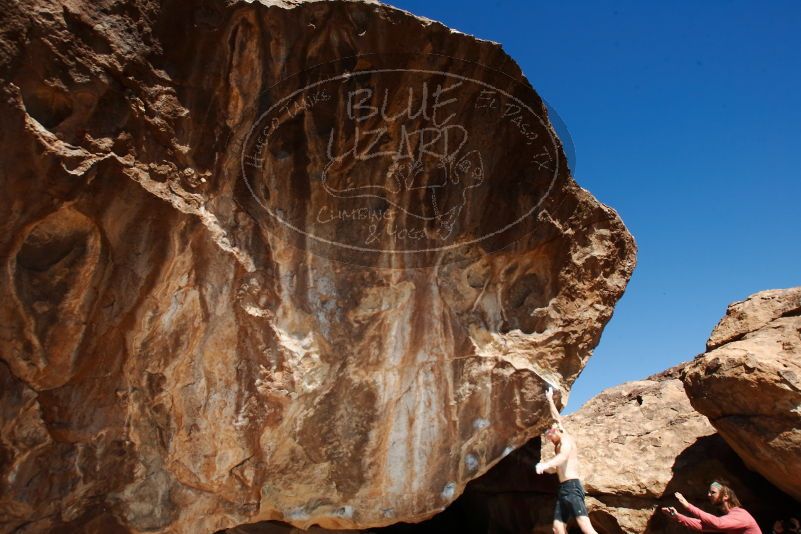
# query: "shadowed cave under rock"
x,y
473,511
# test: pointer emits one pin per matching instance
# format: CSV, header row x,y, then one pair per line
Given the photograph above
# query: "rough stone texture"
x,y
274,527
187,348
510,497
642,442
632,439
749,386
639,443
753,313
651,420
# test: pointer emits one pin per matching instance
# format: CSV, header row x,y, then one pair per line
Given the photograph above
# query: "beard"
x,y
719,505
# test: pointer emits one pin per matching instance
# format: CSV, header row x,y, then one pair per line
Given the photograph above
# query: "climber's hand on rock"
x,y
539,468
669,511
681,499
549,393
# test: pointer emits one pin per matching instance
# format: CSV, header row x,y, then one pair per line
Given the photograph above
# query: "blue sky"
x,y
686,118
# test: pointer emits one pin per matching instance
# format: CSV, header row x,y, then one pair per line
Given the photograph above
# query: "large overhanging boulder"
x,y
748,384
310,262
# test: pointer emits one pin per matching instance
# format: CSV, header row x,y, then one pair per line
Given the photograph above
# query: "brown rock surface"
x,y
641,442
226,299
749,386
632,439
754,313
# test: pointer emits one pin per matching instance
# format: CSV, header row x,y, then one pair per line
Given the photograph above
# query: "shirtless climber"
x,y
570,500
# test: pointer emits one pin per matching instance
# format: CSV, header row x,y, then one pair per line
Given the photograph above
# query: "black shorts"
x,y
570,501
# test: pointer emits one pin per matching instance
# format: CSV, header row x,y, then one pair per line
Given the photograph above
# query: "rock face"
x,y
642,442
748,384
639,442
307,262
754,313
632,438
